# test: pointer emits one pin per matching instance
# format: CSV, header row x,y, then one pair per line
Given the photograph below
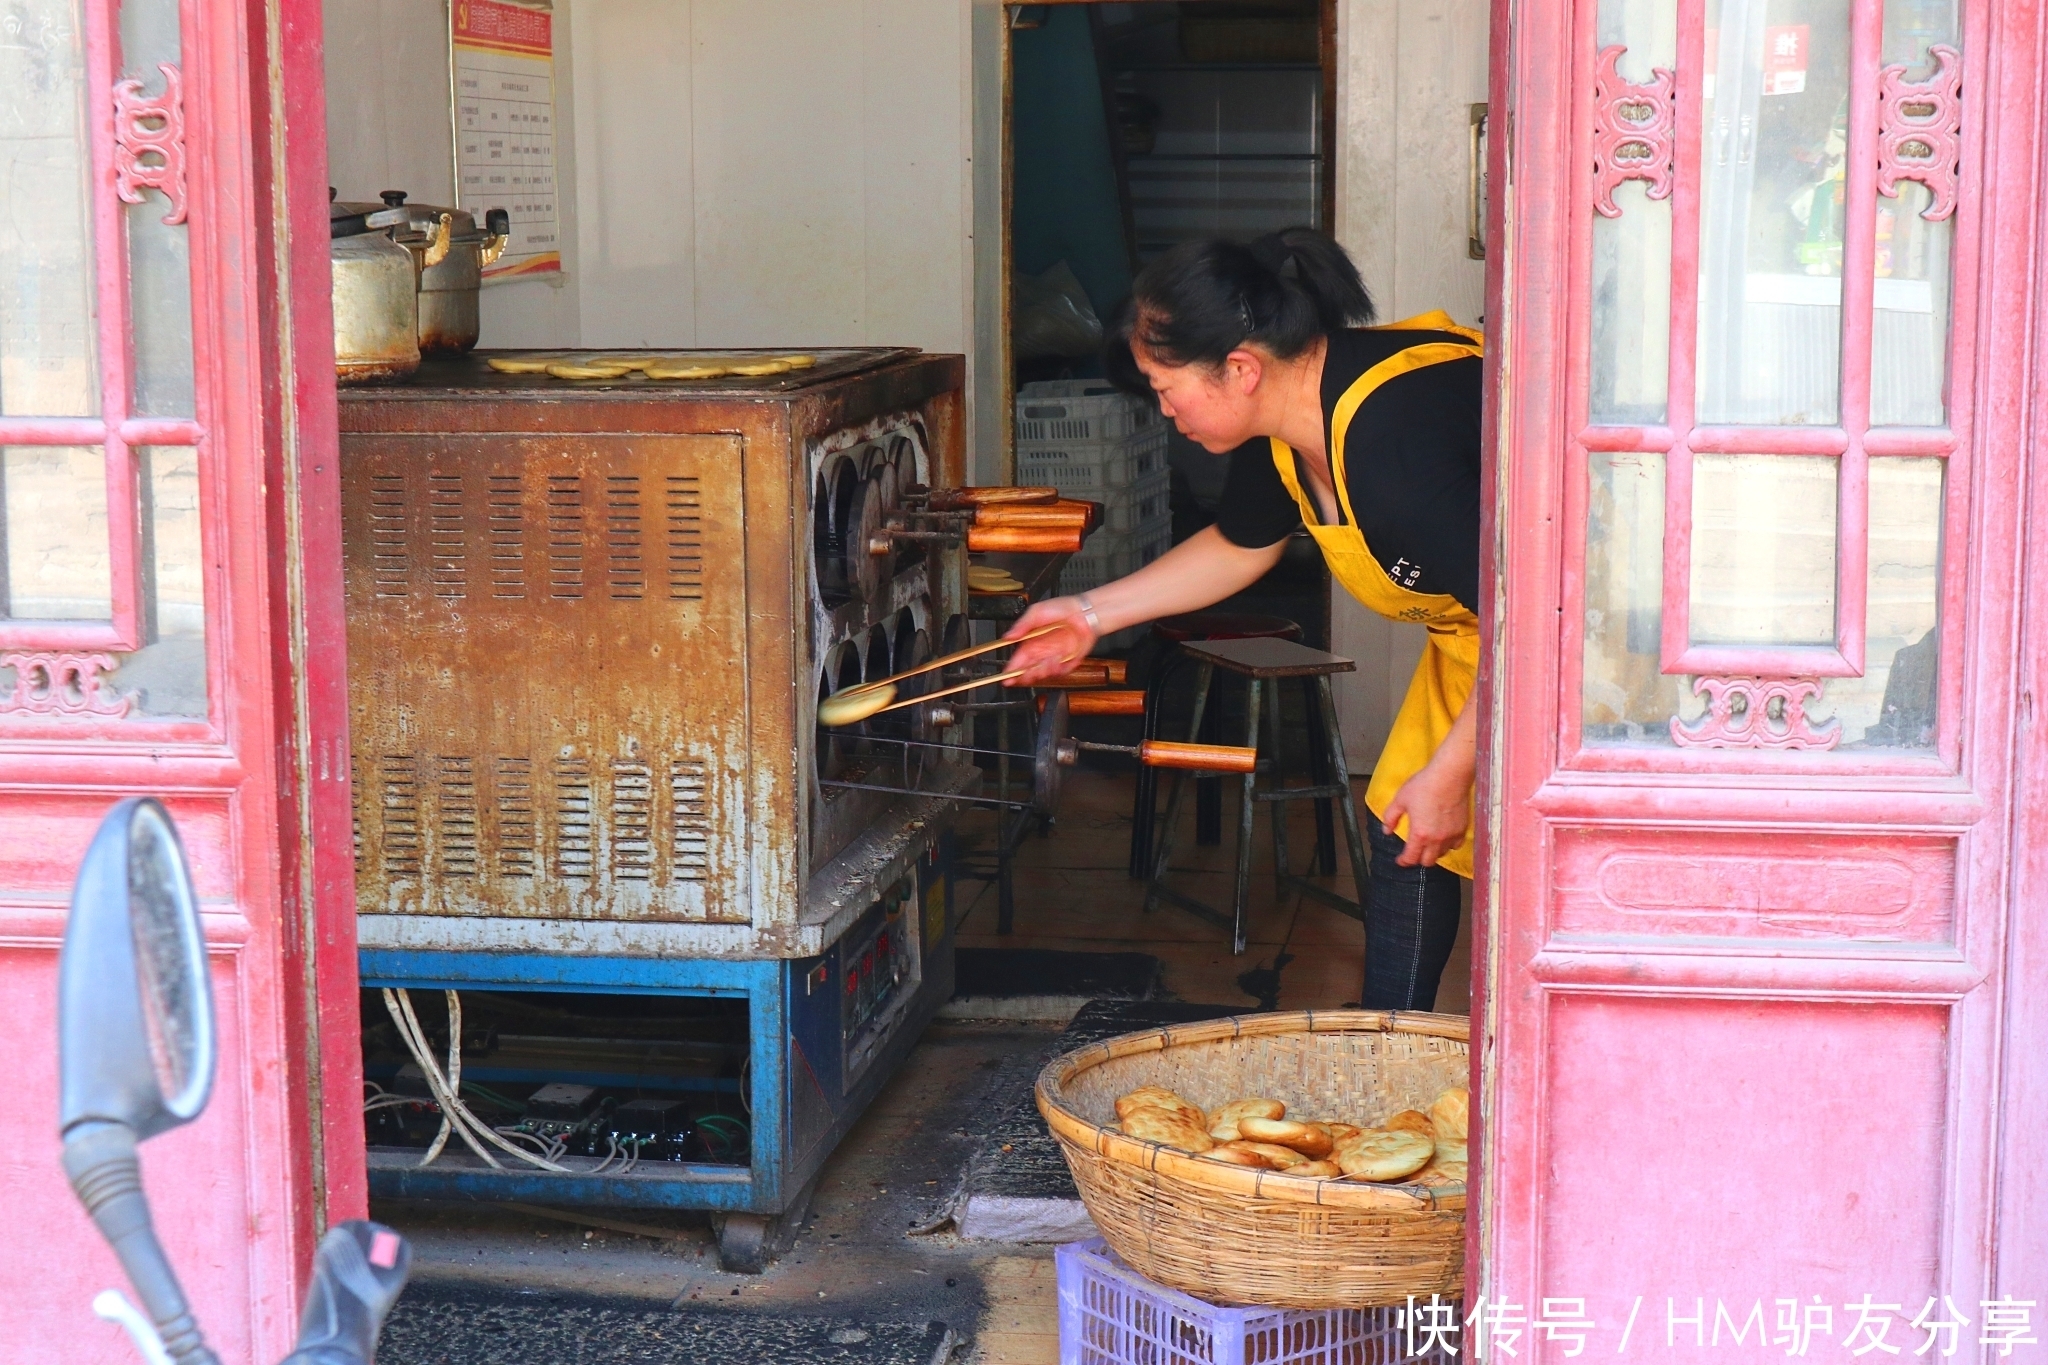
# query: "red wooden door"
x,y
156,637
1764,304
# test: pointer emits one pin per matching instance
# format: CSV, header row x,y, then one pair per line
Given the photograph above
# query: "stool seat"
x,y
1225,625
1268,658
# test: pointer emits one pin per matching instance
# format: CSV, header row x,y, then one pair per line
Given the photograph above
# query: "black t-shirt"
x,y
1411,458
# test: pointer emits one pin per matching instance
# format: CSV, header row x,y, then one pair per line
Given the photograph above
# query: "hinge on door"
x,y
149,142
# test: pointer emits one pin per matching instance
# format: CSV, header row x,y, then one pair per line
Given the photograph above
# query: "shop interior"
x,y
673,195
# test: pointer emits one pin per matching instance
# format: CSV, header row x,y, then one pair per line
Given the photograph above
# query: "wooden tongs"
x,y
851,705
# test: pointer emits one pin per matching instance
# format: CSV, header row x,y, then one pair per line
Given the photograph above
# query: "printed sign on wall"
x,y
504,59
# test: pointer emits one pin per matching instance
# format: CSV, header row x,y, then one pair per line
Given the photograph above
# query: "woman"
x,y
1369,437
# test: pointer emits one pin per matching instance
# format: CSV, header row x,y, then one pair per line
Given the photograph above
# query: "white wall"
x,y
734,172
1408,72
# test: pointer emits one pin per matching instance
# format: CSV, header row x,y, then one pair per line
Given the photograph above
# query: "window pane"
x,y
1776,105
167,676
1626,700
1632,309
159,253
1909,329
53,517
49,365
1893,703
1763,550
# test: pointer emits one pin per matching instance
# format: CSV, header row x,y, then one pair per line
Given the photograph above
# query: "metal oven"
x,y
589,623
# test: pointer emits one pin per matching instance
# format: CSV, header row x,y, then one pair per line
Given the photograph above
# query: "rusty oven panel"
x,y
588,626
551,729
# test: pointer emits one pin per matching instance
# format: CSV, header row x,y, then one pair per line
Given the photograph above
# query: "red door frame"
x,y
259,787
1974,996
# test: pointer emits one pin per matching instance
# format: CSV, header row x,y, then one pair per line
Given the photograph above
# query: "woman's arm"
x,y
1438,800
1200,571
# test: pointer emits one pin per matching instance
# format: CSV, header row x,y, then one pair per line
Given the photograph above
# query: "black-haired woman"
x,y
1369,436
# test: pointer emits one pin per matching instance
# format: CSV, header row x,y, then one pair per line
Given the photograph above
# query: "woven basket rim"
x,y
1244,1181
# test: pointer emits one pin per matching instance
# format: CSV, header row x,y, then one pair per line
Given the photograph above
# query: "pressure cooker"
x,y
449,285
406,280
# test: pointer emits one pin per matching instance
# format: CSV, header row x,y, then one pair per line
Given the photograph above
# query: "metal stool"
x,y
1170,631
1258,661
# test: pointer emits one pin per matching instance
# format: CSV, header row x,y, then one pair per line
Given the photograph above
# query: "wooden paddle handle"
x,y
1208,758
1117,669
1027,540
1063,513
1131,703
1083,674
952,499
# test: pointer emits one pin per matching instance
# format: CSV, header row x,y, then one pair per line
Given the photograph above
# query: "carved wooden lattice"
x,y
1756,713
1635,132
1920,130
149,142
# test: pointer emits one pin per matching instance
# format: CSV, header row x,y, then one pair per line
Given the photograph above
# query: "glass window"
x,y
49,363
1771,212
53,518
1763,550
1626,698
159,253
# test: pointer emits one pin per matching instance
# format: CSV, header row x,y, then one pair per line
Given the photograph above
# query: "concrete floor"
x,y
854,1258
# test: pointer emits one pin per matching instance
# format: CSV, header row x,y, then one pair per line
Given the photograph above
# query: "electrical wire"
x,y
454,1112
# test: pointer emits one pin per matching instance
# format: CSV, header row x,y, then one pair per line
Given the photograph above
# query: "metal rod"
x,y
967,686
918,791
955,658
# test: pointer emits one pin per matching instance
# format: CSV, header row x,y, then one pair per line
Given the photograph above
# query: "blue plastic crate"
x,y
1112,1315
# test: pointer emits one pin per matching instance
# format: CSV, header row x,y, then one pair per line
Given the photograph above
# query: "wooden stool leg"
x,y
1145,802
1209,790
1318,774
1276,778
1163,839
1244,824
1341,775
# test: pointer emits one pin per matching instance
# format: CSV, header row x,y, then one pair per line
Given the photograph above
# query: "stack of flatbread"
x,y
984,578
700,366
1411,1147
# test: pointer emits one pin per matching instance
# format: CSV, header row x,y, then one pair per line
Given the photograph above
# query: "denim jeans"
x,y
1411,923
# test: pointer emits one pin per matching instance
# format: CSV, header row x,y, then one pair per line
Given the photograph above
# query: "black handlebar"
x,y
359,1270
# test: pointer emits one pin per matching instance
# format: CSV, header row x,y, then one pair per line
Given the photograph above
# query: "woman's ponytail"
x,y
1202,300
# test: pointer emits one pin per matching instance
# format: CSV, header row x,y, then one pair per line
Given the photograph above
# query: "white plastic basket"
x,y
1091,469
1109,555
1081,410
1140,505
1112,1315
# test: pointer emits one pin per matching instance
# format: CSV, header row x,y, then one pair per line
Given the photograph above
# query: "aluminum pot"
x,y
451,282
376,295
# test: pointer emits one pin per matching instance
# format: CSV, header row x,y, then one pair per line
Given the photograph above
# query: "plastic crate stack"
x,y
1090,440
1112,1315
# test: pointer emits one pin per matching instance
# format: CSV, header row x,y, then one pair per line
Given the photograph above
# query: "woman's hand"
x,y
1056,651
1438,804
1438,799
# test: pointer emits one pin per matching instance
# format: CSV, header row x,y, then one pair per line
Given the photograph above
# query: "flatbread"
x,y
1312,1143
1238,1154
798,362
1281,1157
566,371
758,369
522,364
1410,1121
1451,1113
1441,1173
1252,1108
1320,1170
1381,1154
1159,1097
1170,1127
683,369
855,704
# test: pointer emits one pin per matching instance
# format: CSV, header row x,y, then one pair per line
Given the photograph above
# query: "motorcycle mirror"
x,y
136,1039
135,1043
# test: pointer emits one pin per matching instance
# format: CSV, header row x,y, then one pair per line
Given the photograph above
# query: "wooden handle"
x,y
952,499
1131,703
1027,540
1117,669
1042,514
1209,758
1083,674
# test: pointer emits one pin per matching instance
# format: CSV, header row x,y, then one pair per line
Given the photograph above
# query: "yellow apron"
x,y
1450,664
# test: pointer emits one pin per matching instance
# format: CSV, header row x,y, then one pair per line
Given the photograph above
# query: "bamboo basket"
x,y
1234,1235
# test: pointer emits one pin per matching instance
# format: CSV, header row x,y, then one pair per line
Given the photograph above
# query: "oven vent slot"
x,y
517,835
506,516
575,842
456,816
685,539
390,554
447,552
401,815
565,536
632,821
690,824
625,568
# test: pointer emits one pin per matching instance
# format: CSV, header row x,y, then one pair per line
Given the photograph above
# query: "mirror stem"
x,y
100,1160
